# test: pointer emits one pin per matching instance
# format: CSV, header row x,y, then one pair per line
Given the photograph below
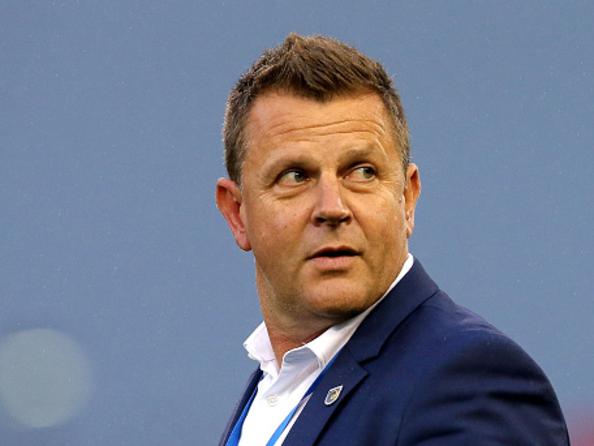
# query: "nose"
x,y
330,208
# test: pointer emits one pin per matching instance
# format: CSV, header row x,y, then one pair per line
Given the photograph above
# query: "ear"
x,y
228,197
412,190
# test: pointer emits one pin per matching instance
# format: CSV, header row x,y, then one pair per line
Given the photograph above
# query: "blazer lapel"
x,y
253,381
345,374
414,289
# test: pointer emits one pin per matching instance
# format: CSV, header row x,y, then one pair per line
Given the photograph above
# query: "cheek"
x,y
272,227
382,217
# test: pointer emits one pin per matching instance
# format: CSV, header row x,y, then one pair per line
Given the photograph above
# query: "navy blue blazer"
x,y
421,370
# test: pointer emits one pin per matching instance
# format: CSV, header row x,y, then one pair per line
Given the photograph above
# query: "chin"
x,y
341,303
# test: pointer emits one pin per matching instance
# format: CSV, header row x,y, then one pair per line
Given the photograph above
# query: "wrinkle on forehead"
x,y
289,127
265,120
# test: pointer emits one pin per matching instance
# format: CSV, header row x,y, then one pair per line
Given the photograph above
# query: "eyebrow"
x,y
364,151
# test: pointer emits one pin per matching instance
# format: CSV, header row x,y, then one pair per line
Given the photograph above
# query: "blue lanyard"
x,y
235,435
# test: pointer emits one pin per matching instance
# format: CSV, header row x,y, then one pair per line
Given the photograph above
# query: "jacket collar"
x,y
414,289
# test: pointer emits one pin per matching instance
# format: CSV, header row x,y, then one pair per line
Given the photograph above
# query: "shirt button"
x,y
272,400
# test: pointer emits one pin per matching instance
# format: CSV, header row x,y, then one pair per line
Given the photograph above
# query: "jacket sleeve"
x,y
483,389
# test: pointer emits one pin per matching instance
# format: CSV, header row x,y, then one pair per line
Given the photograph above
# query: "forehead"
x,y
278,116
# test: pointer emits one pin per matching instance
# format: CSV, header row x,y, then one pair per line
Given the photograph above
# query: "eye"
x,y
292,177
362,173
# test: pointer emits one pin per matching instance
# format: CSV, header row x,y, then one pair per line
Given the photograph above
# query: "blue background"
x,y
110,147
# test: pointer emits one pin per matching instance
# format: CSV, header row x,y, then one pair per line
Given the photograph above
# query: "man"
x,y
358,345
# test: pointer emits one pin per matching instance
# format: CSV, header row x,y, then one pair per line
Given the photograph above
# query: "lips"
x,y
334,260
333,252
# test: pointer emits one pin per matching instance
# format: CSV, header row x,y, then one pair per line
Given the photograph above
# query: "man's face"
x,y
324,205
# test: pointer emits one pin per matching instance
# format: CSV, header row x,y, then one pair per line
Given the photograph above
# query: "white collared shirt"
x,y
279,391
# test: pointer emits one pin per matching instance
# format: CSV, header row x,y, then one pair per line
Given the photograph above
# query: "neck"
x,y
287,331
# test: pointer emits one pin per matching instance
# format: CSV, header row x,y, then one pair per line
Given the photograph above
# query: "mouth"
x,y
333,252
